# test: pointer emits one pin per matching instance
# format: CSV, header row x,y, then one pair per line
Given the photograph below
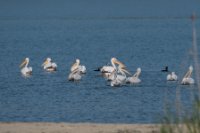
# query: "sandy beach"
x,y
76,128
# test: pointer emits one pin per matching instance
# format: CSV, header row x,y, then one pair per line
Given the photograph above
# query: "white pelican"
x,y
115,81
75,75
26,71
107,70
135,78
77,65
110,69
119,78
172,77
49,66
120,75
187,78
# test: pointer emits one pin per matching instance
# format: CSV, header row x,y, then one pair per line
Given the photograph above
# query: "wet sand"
x,y
19,127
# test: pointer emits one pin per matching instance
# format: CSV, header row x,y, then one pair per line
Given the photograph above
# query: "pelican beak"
x,y
74,66
120,64
23,63
45,62
75,71
126,71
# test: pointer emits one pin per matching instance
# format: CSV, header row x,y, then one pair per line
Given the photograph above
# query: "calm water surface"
x,y
149,43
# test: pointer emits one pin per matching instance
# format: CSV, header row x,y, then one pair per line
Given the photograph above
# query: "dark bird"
x,y
165,70
98,69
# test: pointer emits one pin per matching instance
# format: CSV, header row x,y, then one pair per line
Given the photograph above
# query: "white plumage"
x,y
187,79
76,65
117,80
135,78
26,71
172,77
118,76
49,66
75,75
107,69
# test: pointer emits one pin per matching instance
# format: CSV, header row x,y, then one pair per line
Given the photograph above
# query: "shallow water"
x,y
150,43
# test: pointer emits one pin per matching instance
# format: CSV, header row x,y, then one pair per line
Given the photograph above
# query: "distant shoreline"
x,y
47,127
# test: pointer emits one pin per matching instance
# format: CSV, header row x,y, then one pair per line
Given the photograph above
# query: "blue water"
x,y
138,33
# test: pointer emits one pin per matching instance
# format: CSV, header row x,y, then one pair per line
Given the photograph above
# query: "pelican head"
x,y
26,60
78,61
46,61
139,69
115,61
124,70
190,68
173,73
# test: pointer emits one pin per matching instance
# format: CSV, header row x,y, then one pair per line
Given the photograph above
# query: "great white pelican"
x,y
26,71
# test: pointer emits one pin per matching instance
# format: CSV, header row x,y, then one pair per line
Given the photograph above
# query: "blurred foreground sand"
x,y
35,127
